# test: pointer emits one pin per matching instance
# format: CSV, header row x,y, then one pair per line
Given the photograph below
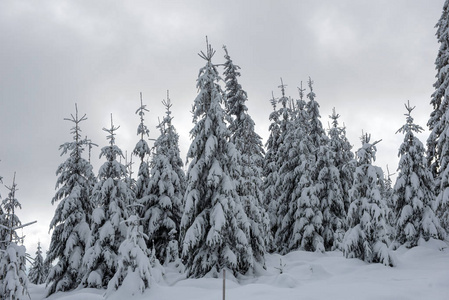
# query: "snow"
x,y
422,272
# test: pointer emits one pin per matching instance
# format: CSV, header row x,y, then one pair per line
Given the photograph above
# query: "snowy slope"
x,y
422,273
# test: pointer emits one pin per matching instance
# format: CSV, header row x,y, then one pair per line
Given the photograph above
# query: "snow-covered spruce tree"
x,y
438,141
297,218
413,192
70,224
143,151
270,172
437,148
290,133
111,196
250,161
343,156
214,226
304,206
283,184
13,278
326,178
304,220
163,204
37,273
133,264
367,236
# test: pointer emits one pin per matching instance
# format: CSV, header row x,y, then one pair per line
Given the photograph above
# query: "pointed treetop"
x,y
76,131
111,131
13,188
282,87
310,83
334,118
142,129
311,95
409,127
209,52
142,109
226,51
409,111
167,103
75,118
301,92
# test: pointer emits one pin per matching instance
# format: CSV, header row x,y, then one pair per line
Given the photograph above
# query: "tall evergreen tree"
x,y
13,279
112,196
325,180
437,148
283,183
298,202
143,151
343,156
164,202
70,224
37,273
305,205
270,171
214,225
413,192
250,160
438,141
367,236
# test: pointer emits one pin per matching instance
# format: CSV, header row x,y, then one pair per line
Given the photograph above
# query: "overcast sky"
x,y
367,58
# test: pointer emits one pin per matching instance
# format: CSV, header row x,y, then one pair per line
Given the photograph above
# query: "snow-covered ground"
x,y
421,273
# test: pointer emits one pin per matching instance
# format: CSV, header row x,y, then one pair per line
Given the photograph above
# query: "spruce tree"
x,y
143,151
250,160
298,201
214,225
308,195
164,196
133,264
70,224
37,274
438,141
367,236
111,196
413,192
270,172
343,156
284,183
13,279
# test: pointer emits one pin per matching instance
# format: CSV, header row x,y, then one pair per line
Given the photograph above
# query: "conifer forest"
x,y
299,211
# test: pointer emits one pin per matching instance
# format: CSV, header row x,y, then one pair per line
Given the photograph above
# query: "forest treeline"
x,y
305,189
